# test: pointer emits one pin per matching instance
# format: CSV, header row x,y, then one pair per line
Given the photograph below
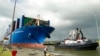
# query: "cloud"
x,y
5,8
81,13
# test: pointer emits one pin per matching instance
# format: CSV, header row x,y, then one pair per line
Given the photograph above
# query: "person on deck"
x,y
78,33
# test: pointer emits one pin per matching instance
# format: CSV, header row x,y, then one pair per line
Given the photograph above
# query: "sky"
x,y
64,15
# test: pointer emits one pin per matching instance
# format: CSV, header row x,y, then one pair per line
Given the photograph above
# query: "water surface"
x,y
69,52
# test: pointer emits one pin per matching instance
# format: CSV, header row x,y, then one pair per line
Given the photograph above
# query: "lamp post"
x,y
97,26
14,11
13,20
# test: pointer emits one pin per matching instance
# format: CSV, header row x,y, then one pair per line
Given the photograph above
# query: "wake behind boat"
x,y
77,41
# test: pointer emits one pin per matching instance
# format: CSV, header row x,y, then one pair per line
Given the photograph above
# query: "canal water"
x,y
69,52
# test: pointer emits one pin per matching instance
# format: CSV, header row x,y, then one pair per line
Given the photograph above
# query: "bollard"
x,y
14,52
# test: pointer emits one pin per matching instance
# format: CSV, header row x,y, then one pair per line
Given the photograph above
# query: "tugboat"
x,y
77,41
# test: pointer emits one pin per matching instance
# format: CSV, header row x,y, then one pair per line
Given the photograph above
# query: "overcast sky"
x,y
64,15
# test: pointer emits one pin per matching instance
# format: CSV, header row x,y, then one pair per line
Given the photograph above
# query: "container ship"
x,y
29,32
